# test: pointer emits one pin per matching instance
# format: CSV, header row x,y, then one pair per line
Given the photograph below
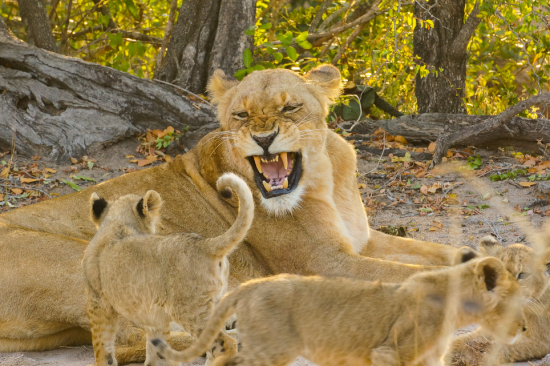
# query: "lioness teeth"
x,y
267,186
258,164
285,183
284,159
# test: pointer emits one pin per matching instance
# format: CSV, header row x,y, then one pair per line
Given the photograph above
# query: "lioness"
x,y
154,279
315,226
353,322
532,272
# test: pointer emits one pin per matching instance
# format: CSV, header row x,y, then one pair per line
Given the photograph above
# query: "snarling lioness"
x,y
308,219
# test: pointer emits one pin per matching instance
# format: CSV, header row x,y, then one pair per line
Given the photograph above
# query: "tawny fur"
x,y
155,279
326,232
531,268
353,322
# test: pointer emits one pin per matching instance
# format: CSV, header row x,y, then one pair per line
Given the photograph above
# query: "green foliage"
x,y
74,186
171,136
474,162
509,175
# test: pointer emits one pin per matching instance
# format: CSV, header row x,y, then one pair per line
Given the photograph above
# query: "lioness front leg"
x,y
404,250
104,324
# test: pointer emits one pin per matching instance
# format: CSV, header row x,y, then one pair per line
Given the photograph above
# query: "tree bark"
x,y
60,107
443,49
39,30
425,128
208,35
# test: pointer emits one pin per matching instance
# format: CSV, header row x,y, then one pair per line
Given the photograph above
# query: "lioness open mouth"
x,y
277,174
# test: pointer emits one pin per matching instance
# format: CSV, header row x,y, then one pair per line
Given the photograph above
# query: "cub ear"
x,y
489,246
219,84
149,205
491,271
464,254
326,77
98,206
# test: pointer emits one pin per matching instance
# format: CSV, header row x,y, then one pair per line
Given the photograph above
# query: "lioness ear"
x,y
218,85
98,206
149,205
463,255
489,246
491,271
326,77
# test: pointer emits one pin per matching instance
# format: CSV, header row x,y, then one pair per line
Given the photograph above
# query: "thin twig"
x,y
180,88
379,160
26,188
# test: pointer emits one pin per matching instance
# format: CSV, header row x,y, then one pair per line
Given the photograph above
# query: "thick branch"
x,y
167,33
37,24
463,38
319,16
350,39
445,141
144,38
61,106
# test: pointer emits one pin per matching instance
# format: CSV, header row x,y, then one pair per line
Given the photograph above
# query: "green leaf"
x,y
72,185
239,75
132,8
278,56
291,52
81,177
247,58
286,39
302,37
265,26
90,165
305,45
258,68
269,45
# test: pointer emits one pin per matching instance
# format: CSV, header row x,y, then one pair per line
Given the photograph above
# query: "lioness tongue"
x,y
275,172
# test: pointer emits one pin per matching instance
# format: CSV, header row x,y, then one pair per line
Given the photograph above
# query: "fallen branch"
x,y
445,141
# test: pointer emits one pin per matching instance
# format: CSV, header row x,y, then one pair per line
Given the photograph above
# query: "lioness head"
x,y
131,213
275,119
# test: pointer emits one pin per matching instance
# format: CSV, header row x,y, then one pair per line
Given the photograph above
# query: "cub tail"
x,y
228,183
224,309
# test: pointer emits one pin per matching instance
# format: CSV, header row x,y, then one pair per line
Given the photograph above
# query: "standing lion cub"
x,y
354,322
154,279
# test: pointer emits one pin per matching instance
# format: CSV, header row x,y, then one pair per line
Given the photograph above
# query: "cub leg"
x,y
152,358
104,324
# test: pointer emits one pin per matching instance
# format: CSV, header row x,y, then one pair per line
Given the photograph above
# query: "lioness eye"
x,y
523,275
290,108
242,114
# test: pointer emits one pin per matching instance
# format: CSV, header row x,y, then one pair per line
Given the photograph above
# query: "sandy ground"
x,y
452,227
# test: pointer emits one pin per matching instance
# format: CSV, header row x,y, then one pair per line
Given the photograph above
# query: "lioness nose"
x,y
524,329
265,141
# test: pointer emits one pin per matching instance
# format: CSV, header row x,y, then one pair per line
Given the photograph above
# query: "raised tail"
x,y
224,309
221,245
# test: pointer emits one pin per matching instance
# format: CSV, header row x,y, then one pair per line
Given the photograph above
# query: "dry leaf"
x,y
1,197
401,139
129,156
36,157
449,153
17,190
434,187
29,180
168,158
419,150
144,162
471,152
424,189
361,186
5,172
527,184
431,147
438,224
531,170
49,170
530,163
434,228
151,158
133,160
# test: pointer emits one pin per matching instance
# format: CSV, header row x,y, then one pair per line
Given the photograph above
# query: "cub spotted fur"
x,y
154,279
353,322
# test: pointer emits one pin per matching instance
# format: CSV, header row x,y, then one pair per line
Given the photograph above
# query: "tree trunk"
x,y
59,107
39,30
208,35
442,49
425,128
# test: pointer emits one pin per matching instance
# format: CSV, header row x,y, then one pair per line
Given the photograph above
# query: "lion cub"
x,y
154,279
353,322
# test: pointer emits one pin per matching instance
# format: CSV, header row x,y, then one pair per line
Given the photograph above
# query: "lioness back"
x,y
345,321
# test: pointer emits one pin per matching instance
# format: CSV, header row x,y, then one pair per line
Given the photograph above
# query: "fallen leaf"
x,y
151,158
530,163
431,147
400,139
73,160
49,170
419,150
531,170
168,158
29,180
133,160
1,197
36,157
129,156
469,151
5,172
434,228
438,224
449,153
144,162
527,184
424,189
361,186
17,190
72,185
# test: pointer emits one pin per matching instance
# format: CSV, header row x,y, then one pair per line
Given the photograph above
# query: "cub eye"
x,y
241,114
523,276
290,108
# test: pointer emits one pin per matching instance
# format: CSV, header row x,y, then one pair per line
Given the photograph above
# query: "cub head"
x,y
531,270
134,213
492,297
275,120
